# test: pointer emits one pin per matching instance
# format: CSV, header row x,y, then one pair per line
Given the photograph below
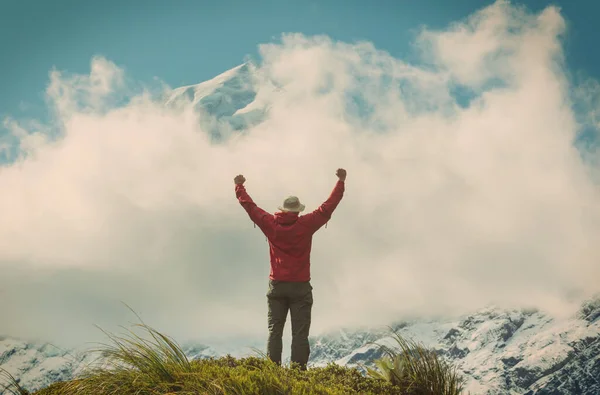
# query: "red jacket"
x,y
290,235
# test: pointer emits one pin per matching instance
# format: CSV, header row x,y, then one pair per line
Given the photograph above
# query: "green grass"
x,y
417,370
155,364
228,375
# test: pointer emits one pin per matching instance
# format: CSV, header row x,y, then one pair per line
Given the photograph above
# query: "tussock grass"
x,y
12,385
417,370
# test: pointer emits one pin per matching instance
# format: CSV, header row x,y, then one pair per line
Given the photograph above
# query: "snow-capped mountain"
x,y
226,103
37,365
499,352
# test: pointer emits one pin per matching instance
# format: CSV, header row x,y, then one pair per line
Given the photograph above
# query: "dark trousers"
x,y
297,298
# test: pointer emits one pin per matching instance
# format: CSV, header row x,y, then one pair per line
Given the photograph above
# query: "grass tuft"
x,y
12,387
417,370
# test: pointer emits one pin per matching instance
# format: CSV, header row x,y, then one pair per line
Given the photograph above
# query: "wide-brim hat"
x,y
292,204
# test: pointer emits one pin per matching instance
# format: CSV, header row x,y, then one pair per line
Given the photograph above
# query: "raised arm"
x,y
259,216
322,215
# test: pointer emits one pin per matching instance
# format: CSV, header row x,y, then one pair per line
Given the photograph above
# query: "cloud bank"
x,y
465,188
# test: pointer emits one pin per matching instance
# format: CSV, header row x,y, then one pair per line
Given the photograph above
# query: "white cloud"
x,y
447,208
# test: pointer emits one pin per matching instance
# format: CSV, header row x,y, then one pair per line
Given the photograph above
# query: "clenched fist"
x,y
239,179
341,173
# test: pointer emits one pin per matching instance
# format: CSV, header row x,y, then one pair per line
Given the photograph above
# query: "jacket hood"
x,y
286,217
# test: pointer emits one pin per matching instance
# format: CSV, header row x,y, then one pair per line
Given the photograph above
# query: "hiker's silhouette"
x,y
290,240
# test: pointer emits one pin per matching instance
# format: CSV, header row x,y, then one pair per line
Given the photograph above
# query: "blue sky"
x,y
186,42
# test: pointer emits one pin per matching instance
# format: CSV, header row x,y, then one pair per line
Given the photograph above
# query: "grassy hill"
x,y
155,364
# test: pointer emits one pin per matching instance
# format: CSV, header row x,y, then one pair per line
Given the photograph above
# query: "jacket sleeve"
x,y
322,215
259,216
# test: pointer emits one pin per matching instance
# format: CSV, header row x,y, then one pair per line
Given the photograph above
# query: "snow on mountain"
x,y
226,103
499,352
37,365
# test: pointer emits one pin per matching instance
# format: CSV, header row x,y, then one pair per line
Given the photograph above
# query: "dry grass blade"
x,y
416,369
160,358
13,384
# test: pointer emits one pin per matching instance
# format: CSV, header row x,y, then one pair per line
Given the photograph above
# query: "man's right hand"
x,y
341,173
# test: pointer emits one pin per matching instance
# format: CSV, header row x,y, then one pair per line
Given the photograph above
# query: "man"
x,y
290,240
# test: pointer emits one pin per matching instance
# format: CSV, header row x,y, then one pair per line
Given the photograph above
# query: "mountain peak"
x,y
226,103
